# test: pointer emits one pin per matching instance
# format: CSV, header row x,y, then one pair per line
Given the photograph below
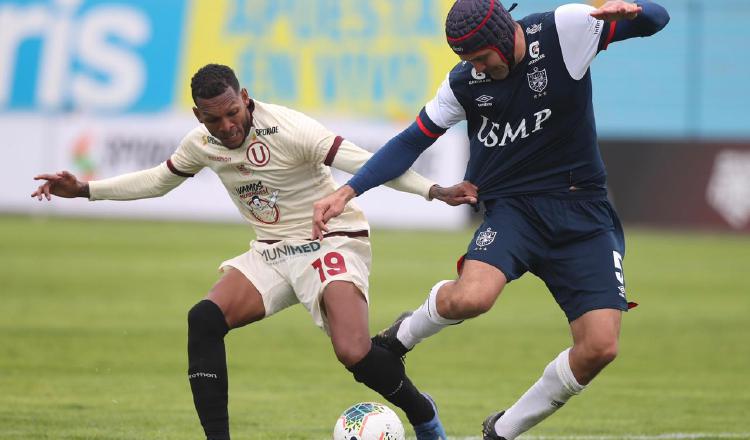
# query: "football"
x,y
368,421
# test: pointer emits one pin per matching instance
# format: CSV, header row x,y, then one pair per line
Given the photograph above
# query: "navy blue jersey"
x,y
534,131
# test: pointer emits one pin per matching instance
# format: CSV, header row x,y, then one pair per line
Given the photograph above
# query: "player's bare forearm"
x,y
615,10
329,207
459,194
62,184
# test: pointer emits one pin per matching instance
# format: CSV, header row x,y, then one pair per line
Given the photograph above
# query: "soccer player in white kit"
x,y
274,163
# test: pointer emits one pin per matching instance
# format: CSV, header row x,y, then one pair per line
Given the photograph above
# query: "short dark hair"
x,y
212,80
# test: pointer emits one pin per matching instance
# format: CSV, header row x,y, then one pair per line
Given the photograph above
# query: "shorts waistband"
x,y
580,194
352,234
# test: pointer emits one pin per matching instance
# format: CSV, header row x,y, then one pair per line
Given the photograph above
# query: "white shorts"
x,y
296,271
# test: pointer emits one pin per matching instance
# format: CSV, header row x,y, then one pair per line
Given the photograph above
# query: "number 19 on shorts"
x,y
331,264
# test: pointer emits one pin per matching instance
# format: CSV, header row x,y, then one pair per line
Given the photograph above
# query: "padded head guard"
x,y
473,25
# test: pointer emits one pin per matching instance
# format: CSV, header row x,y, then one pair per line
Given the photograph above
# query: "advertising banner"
x,y
680,184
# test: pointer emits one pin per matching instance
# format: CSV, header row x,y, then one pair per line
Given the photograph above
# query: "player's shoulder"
x,y
198,137
267,116
575,17
265,110
538,22
462,75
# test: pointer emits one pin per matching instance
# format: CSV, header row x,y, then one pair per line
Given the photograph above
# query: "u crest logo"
x,y
258,154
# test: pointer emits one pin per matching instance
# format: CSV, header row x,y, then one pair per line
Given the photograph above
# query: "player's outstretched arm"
x,y
329,207
639,19
61,184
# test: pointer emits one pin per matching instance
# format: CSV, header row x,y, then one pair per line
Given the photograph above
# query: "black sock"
x,y
207,368
384,373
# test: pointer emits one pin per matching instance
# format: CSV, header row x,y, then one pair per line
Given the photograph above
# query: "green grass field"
x,y
93,338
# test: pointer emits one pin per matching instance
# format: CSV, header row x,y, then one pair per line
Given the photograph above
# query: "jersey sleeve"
x,y
153,182
443,110
652,18
579,34
351,158
185,161
144,184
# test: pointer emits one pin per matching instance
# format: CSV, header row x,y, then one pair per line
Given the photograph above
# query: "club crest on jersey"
x,y
258,154
537,80
485,238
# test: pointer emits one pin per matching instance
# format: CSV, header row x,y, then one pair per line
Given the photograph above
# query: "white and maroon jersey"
x,y
276,175
273,178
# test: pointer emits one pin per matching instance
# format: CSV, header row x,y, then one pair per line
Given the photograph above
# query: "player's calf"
x,y
207,368
424,322
384,373
556,386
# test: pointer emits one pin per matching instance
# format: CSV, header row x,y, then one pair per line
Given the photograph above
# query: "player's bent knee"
x,y
600,354
351,352
206,318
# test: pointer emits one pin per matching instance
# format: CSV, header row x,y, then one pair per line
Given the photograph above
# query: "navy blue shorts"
x,y
575,245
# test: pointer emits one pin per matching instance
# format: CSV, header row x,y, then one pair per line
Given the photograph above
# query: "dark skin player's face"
x,y
226,116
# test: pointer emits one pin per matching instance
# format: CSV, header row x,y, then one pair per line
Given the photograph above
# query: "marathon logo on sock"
x,y
201,374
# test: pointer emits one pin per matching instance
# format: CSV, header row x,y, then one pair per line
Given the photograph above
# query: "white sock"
x,y
546,396
424,322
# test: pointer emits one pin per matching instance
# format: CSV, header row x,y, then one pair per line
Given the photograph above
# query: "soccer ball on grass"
x,y
368,421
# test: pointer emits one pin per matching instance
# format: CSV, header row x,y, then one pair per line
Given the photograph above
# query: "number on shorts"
x,y
334,265
618,267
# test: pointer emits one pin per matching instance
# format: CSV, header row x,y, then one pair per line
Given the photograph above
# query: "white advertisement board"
x,y
94,148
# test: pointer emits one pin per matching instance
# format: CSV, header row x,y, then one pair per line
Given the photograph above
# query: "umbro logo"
x,y
484,101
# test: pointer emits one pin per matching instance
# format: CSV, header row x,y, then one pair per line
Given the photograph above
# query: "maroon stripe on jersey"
x,y
476,29
425,130
334,149
612,27
174,170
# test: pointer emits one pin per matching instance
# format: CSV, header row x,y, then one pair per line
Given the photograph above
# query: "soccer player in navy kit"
x,y
524,89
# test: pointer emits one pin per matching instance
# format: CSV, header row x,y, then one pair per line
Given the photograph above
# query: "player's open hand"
x,y
615,10
62,184
329,207
464,192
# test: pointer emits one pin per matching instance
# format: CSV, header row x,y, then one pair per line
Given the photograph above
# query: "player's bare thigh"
x,y
346,311
473,293
237,298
